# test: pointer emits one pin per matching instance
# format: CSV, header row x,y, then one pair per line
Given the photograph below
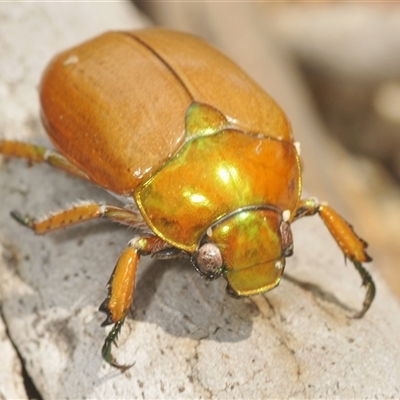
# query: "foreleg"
x,y
352,246
121,288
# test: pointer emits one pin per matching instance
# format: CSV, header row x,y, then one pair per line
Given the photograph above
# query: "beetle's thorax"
x,y
214,175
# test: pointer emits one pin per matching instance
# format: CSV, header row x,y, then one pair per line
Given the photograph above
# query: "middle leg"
x,y
80,212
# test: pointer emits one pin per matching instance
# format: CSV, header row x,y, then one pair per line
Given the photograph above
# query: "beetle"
x,y
203,158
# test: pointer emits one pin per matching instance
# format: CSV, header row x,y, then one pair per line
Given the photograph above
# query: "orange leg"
x,y
122,282
39,154
121,288
81,212
353,247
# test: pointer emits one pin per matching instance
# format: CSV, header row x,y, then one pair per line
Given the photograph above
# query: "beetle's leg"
x,y
352,246
122,282
81,212
39,154
121,289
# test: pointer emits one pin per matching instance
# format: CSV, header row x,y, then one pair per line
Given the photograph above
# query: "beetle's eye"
x,y
209,261
287,239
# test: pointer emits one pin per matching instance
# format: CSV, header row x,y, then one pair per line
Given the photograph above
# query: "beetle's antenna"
x,y
110,340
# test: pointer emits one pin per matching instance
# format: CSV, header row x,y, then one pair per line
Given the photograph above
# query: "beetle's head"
x,y
248,247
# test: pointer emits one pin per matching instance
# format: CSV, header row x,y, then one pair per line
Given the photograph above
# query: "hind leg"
x,y
39,154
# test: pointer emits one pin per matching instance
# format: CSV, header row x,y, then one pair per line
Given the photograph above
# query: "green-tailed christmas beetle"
x,y
204,158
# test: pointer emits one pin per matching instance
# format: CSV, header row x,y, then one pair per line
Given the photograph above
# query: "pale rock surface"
x,y
11,380
187,339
